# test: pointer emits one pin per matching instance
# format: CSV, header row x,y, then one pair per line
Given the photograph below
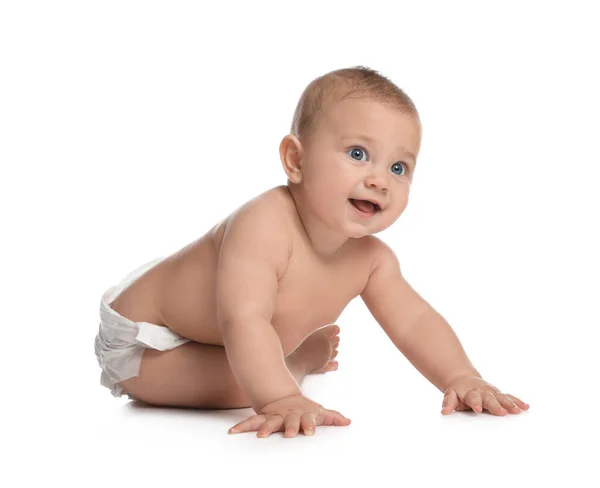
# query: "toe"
x,y
330,366
332,331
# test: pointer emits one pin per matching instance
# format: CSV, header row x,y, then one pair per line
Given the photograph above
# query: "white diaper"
x,y
120,342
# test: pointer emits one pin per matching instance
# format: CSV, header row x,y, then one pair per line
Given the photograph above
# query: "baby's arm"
x,y
428,341
416,329
254,253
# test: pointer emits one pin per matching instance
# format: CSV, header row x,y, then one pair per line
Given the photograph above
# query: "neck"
x,y
325,241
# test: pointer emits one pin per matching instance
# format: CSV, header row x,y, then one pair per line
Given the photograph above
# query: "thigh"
x,y
192,375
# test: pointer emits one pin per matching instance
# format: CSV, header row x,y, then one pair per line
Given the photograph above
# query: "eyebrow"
x,y
370,140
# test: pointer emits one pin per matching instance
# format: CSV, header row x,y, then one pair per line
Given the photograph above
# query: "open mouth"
x,y
365,207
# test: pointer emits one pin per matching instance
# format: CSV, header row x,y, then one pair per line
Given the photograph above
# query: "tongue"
x,y
363,205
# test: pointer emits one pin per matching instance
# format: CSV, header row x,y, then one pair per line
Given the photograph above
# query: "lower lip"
x,y
364,215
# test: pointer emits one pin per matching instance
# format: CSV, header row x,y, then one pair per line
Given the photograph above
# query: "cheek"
x,y
400,197
325,175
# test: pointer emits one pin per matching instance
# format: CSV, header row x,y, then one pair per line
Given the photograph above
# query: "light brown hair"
x,y
355,82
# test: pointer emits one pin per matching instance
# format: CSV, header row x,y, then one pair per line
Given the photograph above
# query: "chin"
x,y
358,233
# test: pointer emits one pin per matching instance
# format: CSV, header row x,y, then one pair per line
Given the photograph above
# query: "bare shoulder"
x,y
379,253
267,211
262,226
253,256
269,204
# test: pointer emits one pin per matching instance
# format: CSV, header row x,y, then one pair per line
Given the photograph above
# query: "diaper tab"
x,y
158,337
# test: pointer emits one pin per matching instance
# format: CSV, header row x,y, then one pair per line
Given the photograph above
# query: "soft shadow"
x,y
471,413
234,415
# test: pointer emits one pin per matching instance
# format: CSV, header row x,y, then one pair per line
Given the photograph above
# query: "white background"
x,y
128,129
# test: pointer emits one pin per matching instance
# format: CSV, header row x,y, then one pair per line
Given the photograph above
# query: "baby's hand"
x,y
289,414
471,392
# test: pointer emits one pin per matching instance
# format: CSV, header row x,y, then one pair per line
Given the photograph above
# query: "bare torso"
x,y
179,292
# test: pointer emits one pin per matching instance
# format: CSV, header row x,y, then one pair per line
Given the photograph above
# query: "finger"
x,y
507,403
292,425
334,354
333,417
520,403
308,423
491,404
251,423
272,424
450,402
473,400
462,406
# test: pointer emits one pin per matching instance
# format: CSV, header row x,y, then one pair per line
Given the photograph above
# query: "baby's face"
x,y
361,150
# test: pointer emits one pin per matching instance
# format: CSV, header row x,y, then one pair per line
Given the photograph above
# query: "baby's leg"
x,y
198,375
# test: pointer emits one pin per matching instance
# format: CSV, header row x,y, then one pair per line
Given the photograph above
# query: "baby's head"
x,y
354,135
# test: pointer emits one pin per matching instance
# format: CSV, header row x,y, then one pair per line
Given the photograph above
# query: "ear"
x,y
290,152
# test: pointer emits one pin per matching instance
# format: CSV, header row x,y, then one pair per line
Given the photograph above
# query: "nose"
x,y
376,181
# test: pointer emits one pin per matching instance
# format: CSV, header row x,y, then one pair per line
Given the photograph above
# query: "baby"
x,y
240,316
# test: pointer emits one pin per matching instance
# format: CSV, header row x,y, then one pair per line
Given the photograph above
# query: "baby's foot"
x,y
319,350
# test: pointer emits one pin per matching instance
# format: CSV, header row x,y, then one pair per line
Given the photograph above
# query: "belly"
x,y
189,308
295,317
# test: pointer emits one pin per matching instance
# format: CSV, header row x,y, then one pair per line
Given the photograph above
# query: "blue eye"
x,y
357,151
395,166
